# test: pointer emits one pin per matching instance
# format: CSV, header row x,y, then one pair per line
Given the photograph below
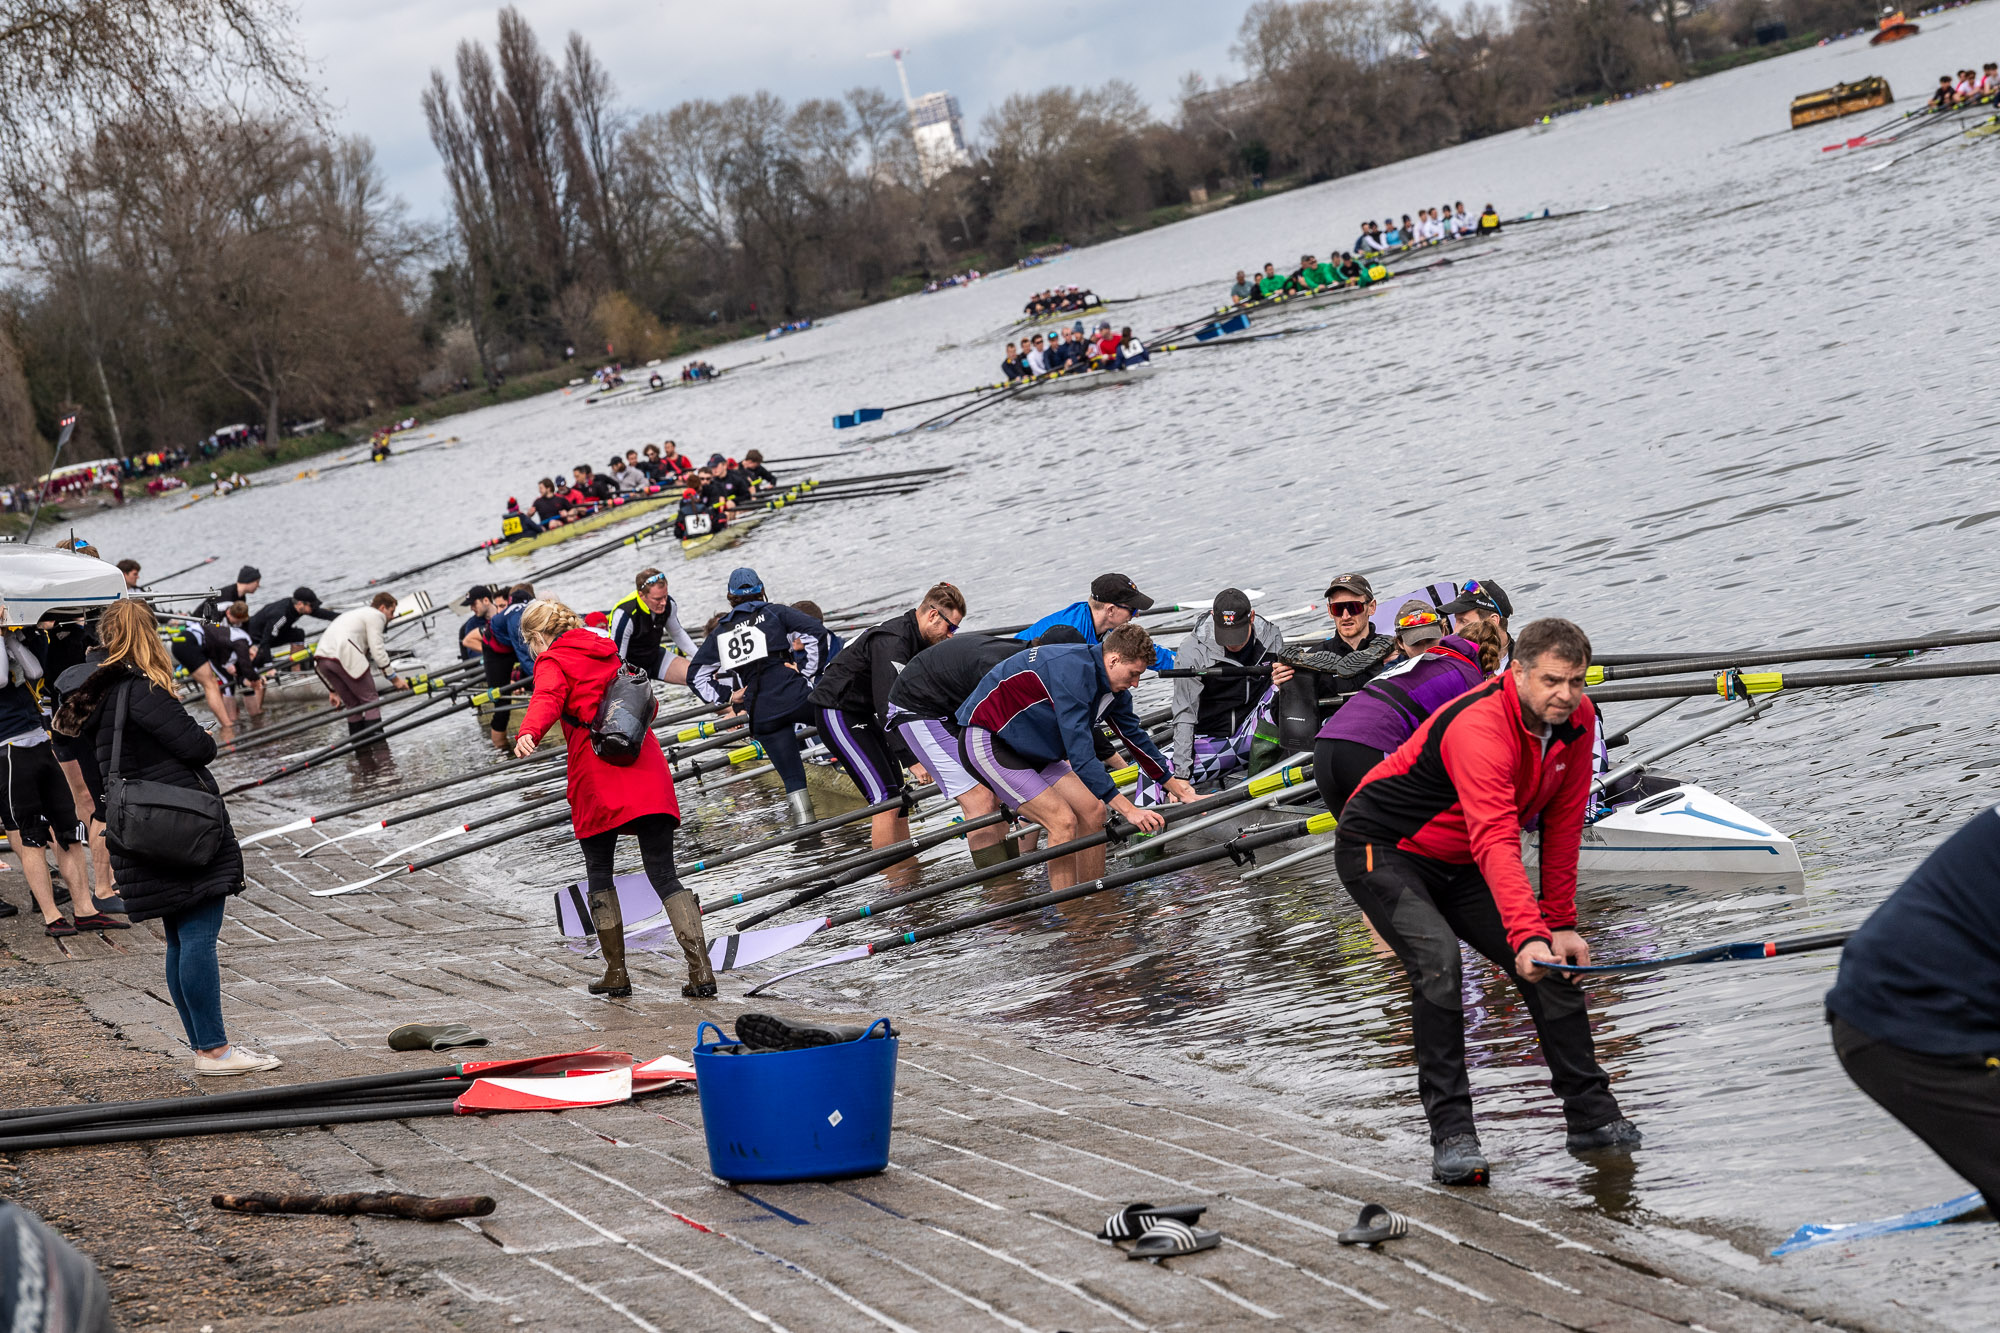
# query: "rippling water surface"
x,y
1747,404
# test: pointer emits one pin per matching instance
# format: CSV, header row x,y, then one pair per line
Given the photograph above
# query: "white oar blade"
x,y
744,948
375,827
339,889
859,951
547,1094
292,827
402,852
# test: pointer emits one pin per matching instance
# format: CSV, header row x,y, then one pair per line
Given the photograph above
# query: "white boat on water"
x,y
1667,829
1076,381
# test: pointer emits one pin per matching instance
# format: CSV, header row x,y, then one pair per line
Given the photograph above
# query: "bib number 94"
x,y
742,645
698,525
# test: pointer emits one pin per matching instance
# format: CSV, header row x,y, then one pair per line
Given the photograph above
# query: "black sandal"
x,y
1375,1225
1135,1219
1170,1237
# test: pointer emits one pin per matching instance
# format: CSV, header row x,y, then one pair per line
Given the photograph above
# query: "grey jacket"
x,y
1198,650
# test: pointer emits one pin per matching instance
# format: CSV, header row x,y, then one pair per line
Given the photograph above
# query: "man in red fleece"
x,y
1429,846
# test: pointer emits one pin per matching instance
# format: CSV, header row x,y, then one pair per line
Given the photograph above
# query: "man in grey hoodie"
x,y
1216,712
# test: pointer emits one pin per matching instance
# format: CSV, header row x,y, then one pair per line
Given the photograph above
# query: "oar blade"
x,y
659,1072
593,1060
727,953
547,1094
854,954
866,414
292,827
846,420
339,889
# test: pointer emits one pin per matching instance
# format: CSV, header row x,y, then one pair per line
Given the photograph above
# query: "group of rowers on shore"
x,y
1072,349
1060,301
712,489
1969,88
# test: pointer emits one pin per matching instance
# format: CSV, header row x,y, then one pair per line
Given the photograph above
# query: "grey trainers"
x,y
1621,1135
1458,1161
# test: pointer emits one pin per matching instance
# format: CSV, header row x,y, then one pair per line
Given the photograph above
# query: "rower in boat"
x,y
1489,222
1010,364
754,469
1030,732
1463,220
851,700
1307,277
923,710
503,655
1216,716
752,642
1370,240
642,623
673,463
1270,282
626,480
1036,358
1244,289
1482,601
548,511
277,624
1438,667
1114,599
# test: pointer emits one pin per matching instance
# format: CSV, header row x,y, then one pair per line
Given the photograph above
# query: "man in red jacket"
x,y
1429,846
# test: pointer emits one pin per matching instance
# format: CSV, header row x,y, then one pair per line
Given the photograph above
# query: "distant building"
x,y
939,130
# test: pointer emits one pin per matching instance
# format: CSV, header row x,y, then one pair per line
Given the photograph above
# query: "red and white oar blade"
x,y
292,827
859,951
726,953
339,889
658,1073
547,1094
593,1061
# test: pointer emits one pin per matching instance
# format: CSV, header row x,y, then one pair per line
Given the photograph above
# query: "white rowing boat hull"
x,y
1090,379
1682,833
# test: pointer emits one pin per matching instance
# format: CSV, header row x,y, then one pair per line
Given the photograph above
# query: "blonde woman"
x,y
162,744
573,666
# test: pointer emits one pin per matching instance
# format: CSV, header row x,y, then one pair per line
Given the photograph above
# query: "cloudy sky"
x,y
374,56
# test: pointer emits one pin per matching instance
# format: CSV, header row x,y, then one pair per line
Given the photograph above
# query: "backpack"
x,y
624,715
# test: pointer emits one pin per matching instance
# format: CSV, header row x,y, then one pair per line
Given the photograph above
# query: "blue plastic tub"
x,y
818,1114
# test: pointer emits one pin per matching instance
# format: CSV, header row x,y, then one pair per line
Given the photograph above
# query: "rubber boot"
x,y
685,913
610,923
801,802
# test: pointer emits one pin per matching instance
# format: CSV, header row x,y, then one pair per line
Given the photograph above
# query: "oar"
x,y
997,391
547,772
441,560
901,799
1771,656
1714,953
741,949
874,861
1740,684
437,684
375,734
956,415
209,560
1925,148
1240,846
862,415
472,826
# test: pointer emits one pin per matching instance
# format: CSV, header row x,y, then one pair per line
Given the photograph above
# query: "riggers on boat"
x,y
1843,99
603,518
1663,828
1071,381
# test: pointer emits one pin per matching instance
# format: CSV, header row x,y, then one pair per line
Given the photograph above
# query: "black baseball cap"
x,y
306,595
1479,595
1234,620
1060,634
1357,584
478,591
1118,590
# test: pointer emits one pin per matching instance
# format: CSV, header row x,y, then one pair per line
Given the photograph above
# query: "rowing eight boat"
x,y
603,518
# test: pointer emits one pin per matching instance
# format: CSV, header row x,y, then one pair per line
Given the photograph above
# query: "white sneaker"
x,y
238,1060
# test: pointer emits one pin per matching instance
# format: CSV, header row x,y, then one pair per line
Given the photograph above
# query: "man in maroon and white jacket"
x,y
1429,846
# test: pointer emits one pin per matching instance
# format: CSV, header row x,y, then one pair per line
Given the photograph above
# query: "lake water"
x,y
1740,406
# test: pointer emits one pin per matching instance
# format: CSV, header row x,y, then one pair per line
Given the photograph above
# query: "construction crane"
x,y
909,102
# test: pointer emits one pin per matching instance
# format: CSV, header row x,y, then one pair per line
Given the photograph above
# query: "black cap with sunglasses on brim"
x,y
1118,590
1480,595
1234,620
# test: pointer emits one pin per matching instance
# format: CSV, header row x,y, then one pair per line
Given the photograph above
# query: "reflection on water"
x,y
1747,405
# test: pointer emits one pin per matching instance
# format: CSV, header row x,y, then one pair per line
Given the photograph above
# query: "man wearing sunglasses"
x,y
851,701
1334,668
1114,600
641,623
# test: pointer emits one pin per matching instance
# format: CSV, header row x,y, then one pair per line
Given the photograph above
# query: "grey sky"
x,y
374,56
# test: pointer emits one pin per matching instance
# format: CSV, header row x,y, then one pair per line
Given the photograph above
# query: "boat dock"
x,y
1007,1154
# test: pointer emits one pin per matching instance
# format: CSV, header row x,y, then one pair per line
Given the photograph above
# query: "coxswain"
x,y
1243,289
1489,221
752,643
277,624
1216,712
851,701
517,522
380,450
1029,737
694,517
504,655
656,381
1481,601
1381,715
472,632
1114,599
210,608
1429,847
1916,1009
643,621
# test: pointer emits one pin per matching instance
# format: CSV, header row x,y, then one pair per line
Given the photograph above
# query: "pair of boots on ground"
x,y
685,914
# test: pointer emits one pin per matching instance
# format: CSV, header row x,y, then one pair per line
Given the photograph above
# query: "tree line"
x,y
186,262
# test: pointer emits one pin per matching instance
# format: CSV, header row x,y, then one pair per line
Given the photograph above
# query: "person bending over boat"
x,y
1030,737
239,664
1216,715
642,622
472,632
277,624
1114,599
1482,601
923,711
753,643
210,608
1916,1009
1385,711
851,700
575,668
1429,847
348,652
504,655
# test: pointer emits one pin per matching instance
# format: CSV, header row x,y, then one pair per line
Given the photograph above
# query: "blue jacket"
x,y
505,629
1045,703
752,644
1077,616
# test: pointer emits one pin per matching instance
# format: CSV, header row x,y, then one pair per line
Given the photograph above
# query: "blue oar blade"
x,y
1826,1233
846,419
1234,325
1202,335
868,413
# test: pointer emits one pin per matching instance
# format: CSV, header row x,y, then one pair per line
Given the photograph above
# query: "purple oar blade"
x,y
726,953
854,954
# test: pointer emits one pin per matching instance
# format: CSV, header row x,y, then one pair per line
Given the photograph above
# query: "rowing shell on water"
x,y
1072,381
1663,827
604,518
735,532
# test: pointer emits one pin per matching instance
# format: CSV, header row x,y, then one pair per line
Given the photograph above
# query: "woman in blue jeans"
x,y
163,744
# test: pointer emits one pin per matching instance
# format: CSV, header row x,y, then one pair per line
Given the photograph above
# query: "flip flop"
x,y
1135,1219
1375,1225
768,1032
438,1037
1169,1237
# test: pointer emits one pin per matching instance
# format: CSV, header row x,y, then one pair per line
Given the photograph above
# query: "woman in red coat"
x,y
573,666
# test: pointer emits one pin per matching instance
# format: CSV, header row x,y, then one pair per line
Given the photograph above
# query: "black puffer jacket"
x,y
162,744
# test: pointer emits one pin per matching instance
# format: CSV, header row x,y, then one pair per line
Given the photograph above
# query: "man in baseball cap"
x,y
1114,599
276,625
472,634
1216,714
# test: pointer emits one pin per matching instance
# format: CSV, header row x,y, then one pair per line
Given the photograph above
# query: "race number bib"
x,y
510,526
742,645
698,525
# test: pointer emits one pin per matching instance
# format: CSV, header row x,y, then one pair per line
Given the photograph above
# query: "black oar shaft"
x,y
230,1124
37,1117
1768,656
1773,681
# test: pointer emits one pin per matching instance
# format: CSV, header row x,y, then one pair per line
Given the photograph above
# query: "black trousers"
x,y
782,745
1952,1103
499,668
656,852
1338,767
1423,908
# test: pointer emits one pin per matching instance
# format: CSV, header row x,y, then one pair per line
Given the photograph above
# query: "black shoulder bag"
x,y
624,716
181,828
